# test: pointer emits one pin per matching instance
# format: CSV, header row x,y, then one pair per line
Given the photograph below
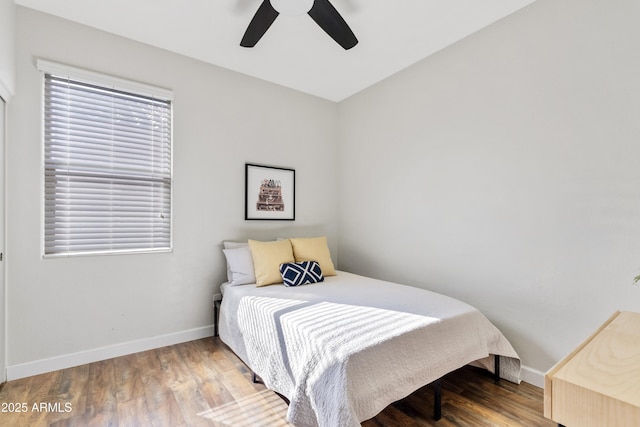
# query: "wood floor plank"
x,y
128,383
163,407
148,361
202,383
133,413
191,403
175,372
101,405
14,396
215,392
73,388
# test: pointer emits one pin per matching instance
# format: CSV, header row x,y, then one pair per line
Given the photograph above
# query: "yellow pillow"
x,y
267,257
314,249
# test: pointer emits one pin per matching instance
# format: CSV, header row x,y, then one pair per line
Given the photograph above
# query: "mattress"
x,y
344,349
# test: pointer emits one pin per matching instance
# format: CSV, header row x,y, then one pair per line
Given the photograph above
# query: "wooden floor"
x,y
202,383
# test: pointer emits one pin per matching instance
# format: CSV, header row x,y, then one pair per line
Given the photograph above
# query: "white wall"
x,y
7,72
504,171
222,119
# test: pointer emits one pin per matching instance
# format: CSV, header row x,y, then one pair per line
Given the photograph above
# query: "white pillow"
x,y
233,245
240,266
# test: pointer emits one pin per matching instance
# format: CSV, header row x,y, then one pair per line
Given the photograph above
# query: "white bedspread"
x,y
343,350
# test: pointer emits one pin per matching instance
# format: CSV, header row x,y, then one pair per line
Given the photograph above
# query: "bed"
x,y
343,349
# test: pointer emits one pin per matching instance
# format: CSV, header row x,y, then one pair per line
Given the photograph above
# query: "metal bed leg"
x,y
496,373
437,399
216,316
254,378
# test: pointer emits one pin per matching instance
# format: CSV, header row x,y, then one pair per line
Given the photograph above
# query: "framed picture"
x,y
269,193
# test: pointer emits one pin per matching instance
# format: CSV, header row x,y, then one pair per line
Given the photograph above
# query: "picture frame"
x,y
269,193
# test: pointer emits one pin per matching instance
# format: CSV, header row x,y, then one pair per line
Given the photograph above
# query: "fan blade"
x,y
259,25
328,18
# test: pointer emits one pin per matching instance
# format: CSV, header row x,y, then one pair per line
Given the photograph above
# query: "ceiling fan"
x,y
321,11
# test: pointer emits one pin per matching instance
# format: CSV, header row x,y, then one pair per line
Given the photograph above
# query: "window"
x,y
107,164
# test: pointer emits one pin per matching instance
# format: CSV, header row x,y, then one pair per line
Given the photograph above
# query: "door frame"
x,y
3,270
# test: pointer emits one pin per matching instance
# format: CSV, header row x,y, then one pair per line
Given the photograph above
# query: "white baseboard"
x,y
532,376
37,367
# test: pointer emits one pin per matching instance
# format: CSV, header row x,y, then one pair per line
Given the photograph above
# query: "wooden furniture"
x,y
598,384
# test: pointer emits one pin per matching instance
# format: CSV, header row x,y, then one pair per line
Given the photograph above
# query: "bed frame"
x,y
437,389
437,385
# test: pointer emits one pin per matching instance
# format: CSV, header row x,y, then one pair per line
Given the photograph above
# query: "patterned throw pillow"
x,y
301,273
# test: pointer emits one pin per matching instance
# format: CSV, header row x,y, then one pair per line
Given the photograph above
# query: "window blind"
x,y
107,169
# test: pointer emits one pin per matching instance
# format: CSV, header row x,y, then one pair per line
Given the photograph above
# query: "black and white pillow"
x,y
301,273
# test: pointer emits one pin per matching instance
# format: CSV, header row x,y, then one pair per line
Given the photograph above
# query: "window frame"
x,y
111,83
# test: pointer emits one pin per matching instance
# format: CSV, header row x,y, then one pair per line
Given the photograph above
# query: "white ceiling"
x,y
294,52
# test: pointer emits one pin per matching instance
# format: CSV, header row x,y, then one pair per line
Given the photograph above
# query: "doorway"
x,y
3,332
